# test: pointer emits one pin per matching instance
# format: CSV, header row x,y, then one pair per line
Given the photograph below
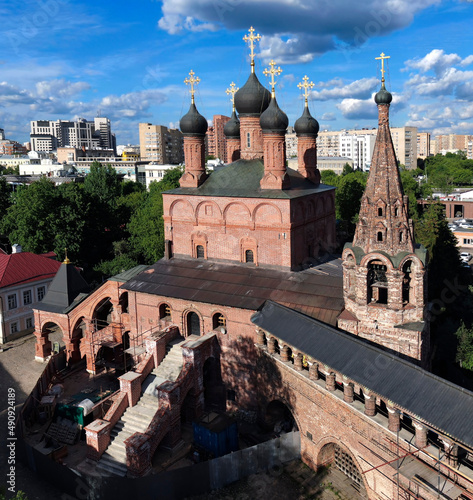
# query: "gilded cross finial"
x,y
252,38
66,260
382,56
232,90
271,73
306,85
192,81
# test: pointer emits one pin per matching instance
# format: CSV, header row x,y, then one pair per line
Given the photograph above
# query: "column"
x,y
272,345
370,405
330,381
348,392
97,435
314,371
260,337
285,353
394,422
130,383
421,435
298,362
451,452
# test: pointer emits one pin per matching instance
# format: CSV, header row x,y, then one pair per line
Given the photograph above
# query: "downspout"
x,y
2,325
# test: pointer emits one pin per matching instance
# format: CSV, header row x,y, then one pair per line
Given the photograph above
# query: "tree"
x,y
5,196
347,169
465,346
329,177
348,196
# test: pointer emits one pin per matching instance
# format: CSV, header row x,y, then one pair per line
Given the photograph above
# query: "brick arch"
x,y
184,320
247,243
348,252
414,259
266,214
338,441
237,212
377,256
201,208
199,238
182,209
275,396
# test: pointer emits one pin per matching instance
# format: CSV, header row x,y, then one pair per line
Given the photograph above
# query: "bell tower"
x,y
384,279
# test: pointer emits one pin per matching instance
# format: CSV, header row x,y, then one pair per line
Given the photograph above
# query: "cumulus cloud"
x,y
355,109
328,117
288,26
358,89
11,95
60,88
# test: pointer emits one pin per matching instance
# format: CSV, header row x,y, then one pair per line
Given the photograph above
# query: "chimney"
x,y
16,248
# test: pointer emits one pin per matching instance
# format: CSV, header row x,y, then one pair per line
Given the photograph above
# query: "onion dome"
x,y
252,99
383,96
306,124
273,119
193,123
232,127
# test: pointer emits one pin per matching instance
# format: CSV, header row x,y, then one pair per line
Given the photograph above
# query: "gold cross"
x,y
192,81
306,86
271,73
66,260
252,38
232,90
382,57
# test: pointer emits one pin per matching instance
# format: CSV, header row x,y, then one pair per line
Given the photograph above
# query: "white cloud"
x,y
358,89
328,117
60,88
355,109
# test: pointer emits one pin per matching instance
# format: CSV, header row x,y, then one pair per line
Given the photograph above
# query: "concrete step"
x,y
116,453
111,467
141,409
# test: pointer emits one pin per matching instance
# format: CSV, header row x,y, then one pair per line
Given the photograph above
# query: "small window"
x,y
248,140
27,297
219,320
380,236
29,322
14,327
200,252
401,237
396,212
12,302
164,311
249,257
380,212
41,292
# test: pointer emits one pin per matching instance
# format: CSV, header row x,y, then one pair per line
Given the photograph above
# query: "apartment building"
x,y
423,144
359,148
160,145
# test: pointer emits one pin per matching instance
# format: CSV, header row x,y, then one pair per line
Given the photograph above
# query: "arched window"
x,y
401,236
396,212
200,252
380,212
164,311
193,324
406,283
219,320
377,283
380,236
249,256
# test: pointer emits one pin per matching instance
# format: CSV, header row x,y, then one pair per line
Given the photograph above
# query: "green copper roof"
x,y
242,179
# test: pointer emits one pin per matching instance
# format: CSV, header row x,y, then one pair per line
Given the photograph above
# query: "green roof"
x,y
242,178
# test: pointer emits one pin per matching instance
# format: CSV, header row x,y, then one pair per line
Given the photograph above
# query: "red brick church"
x,y
249,276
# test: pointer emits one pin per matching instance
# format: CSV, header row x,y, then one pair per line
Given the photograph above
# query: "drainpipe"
x,y
2,325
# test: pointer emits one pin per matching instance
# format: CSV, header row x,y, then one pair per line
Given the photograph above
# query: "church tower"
x,y
384,280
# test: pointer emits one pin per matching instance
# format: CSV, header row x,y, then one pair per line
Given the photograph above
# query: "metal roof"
x,y
242,179
245,286
443,405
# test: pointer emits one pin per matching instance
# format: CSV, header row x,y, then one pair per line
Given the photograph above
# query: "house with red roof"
x,y
24,281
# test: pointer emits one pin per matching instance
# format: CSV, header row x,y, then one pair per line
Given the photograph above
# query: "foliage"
x,y
20,495
446,171
347,169
329,177
11,170
5,196
348,199
465,346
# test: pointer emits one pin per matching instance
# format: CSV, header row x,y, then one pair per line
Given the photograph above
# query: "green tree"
x,y
329,177
5,197
465,346
347,169
348,196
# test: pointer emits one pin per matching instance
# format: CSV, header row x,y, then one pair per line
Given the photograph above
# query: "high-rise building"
x,y
216,140
48,135
359,148
453,142
423,144
160,145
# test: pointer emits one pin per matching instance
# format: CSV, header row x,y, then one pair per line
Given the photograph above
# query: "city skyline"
x,y
64,61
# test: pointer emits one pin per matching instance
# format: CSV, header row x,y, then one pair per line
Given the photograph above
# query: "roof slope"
x,y
24,267
445,406
316,292
242,179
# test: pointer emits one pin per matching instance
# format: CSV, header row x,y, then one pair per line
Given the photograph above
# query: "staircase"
x,y
138,417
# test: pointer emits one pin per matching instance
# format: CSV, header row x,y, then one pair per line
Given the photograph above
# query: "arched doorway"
x,y
102,315
78,333
193,324
338,456
279,418
54,334
214,390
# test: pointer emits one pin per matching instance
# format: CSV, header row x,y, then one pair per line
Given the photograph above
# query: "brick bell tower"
x,y
384,278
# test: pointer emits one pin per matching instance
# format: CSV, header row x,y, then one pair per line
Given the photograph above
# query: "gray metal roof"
x,y
318,294
130,273
443,405
242,179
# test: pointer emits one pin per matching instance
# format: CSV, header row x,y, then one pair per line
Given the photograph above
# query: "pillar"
x,y
285,353
272,345
314,371
260,337
348,392
130,383
97,435
370,405
330,381
421,435
298,362
451,452
394,422
42,346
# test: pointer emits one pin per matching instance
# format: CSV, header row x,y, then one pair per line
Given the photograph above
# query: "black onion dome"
x,y
232,127
306,124
383,96
252,99
193,123
274,119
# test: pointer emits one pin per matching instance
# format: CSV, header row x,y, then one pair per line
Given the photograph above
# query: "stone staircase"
x,y
138,418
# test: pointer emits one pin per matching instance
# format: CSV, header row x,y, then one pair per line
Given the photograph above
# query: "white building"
x,y
357,147
155,172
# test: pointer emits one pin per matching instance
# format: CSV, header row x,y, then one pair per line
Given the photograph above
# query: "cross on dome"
x,y
192,81
271,73
306,85
252,38
232,90
382,57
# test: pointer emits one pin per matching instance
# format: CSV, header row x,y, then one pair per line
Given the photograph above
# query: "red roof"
x,y
24,267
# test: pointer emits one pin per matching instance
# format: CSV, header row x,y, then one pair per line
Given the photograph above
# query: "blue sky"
x,y
63,59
